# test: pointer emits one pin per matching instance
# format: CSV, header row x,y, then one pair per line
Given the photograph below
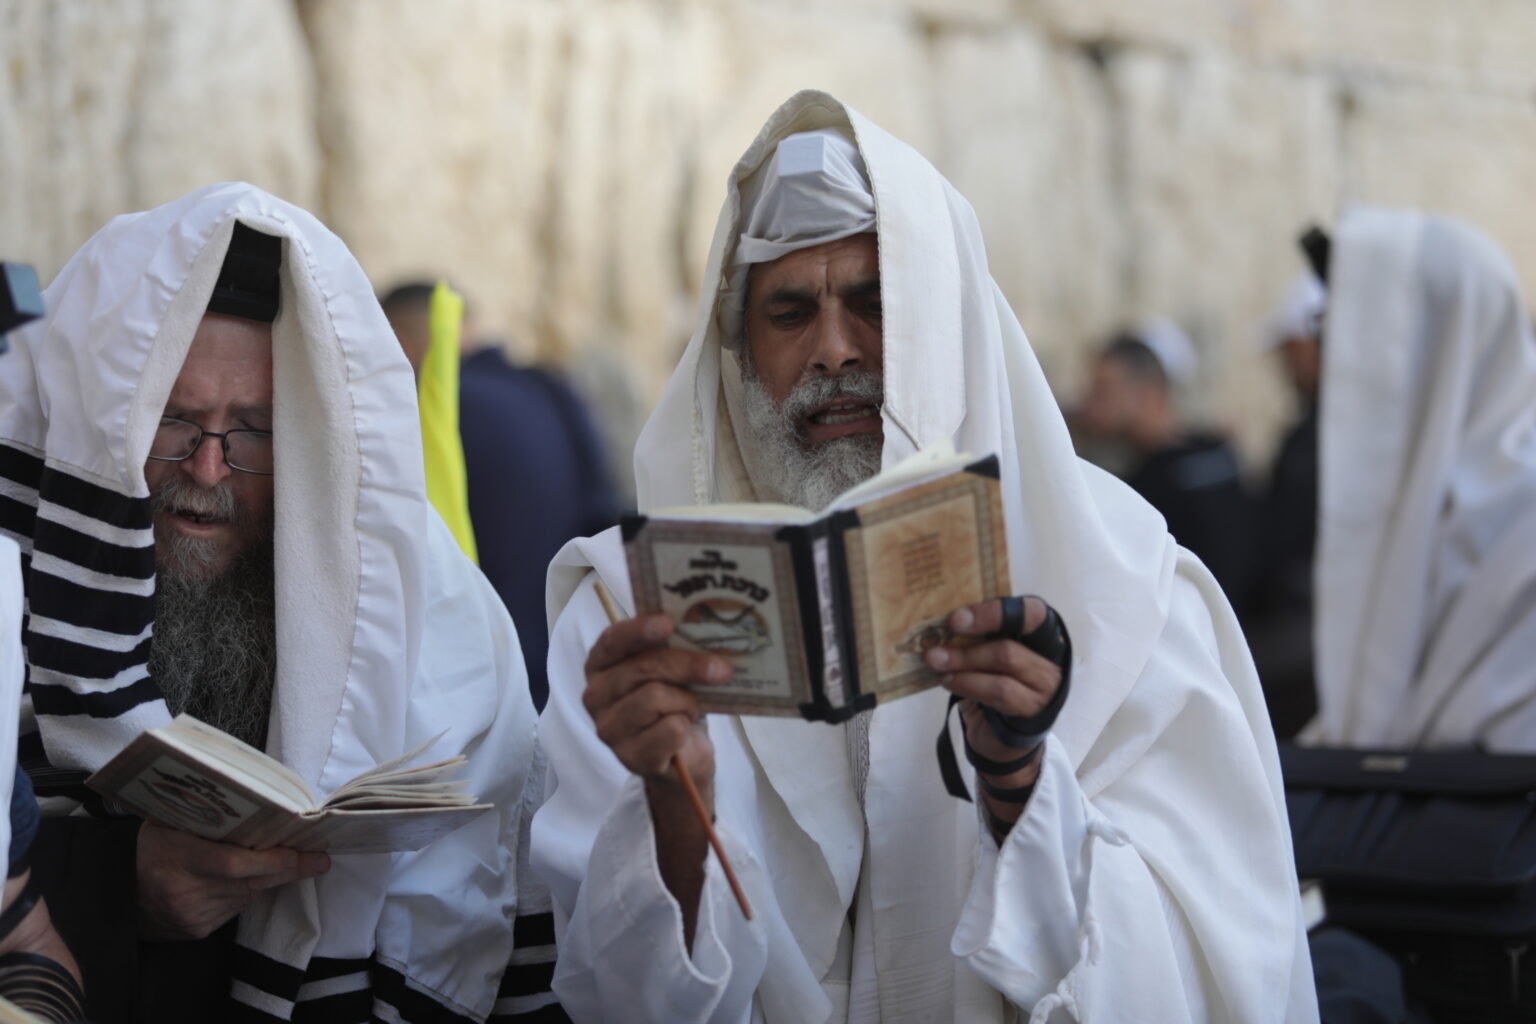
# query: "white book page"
x,y
740,512
935,460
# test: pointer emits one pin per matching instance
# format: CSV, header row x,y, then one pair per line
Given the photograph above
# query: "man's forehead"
x,y
847,261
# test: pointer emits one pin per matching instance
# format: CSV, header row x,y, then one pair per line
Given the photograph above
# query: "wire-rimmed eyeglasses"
x,y
249,451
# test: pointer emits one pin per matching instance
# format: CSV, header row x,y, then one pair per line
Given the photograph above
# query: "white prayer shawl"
x,y
1151,877
1426,567
386,634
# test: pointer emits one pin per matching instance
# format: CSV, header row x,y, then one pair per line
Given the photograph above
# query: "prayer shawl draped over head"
x,y
386,635
1426,558
1151,875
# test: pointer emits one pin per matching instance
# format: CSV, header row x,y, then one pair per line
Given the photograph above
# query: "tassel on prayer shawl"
x,y
438,395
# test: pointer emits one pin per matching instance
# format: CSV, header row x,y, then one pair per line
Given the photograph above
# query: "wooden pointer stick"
x,y
688,786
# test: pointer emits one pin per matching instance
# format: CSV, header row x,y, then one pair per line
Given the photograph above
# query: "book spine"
x,y
842,610
801,541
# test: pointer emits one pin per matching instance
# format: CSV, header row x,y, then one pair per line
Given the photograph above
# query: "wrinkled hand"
x,y
638,698
1000,673
189,886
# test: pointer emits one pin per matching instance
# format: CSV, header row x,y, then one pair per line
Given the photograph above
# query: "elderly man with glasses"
x,y
215,464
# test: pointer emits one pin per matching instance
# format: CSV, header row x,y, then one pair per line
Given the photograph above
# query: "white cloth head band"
x,y
813,190
1172,347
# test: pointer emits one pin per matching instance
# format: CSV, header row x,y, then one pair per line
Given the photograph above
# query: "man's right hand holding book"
x,y
637,694
189,887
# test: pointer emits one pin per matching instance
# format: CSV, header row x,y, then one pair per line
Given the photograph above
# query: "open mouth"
x,y
842,410
201,518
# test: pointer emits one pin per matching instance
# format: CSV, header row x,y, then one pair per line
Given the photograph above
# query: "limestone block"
x,y
1222,166
435,120
1023,133
1468,156
107,107
1469,44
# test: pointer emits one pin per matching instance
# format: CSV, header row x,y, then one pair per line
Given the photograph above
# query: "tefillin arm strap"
x,y
34,982
1027,734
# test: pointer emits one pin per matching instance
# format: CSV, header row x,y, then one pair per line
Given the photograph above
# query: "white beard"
x,y
810,477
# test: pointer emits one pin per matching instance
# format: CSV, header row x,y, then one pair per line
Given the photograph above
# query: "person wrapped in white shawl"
x,y
366,633
1425,577
1148,877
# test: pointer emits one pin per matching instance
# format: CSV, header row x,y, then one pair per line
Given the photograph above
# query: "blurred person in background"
x,y
1192,478
538,473
1426,543
1278,613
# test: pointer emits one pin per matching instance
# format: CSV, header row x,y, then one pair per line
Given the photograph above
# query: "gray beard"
x,y
214,650
810,477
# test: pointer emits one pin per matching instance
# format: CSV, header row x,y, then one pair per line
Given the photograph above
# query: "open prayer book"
x,y
190,775
826,614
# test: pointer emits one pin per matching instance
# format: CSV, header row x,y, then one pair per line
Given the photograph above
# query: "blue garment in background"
x,y
24,820
538,476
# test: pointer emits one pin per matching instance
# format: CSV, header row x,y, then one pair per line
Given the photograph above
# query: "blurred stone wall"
x,y
564,160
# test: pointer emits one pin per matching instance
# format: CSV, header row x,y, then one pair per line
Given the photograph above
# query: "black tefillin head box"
x,y
21,300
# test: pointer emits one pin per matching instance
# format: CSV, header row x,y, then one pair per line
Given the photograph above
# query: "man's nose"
x,y
206,466
836,348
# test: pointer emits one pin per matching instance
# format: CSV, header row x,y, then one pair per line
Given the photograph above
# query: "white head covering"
x,y
386,635
1174,351
1298,315
813,190
1426,558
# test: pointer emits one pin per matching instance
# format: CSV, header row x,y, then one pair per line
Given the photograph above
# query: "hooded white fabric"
x,y
386,635
1151,875
1426,558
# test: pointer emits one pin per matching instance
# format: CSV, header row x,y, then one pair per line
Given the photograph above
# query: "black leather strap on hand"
x,y
1049,640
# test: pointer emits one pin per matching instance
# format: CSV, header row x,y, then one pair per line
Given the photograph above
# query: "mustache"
x,y
177,495
813,392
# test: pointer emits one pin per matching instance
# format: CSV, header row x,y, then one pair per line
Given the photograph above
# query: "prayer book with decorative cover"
x,y
196,778
824,615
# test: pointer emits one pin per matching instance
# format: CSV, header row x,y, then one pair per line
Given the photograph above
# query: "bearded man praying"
x,y
1129,858
211,453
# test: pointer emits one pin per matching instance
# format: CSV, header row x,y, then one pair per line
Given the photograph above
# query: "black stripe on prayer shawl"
x,y
94,501
527,979
17,518
50,538
23,467
53,699
54,597
412,1005
81,661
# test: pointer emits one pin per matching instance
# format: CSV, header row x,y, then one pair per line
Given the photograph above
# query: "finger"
x,y
663,665
999,657
650,752
625,639
305,865
998,692
987,617
236,863
642,708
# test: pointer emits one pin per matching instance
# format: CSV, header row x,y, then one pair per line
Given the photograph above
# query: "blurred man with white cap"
x,y
1192,478
1129,862
1278,614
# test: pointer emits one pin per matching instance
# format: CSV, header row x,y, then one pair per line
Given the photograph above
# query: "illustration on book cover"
x,y
723,598
187,799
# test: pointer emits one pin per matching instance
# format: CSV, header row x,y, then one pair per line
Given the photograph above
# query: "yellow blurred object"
x,y
438,394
